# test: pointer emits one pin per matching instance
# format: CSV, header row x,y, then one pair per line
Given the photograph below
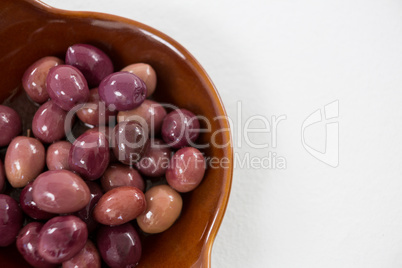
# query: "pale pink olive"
x,y
67,86
146,73
156,159
120,205
27,245
57,155
88,257
186,169
149,114
2,177
10,125
61,238
95,112
24,161
48,123
60,191
34,79
117,175
163,208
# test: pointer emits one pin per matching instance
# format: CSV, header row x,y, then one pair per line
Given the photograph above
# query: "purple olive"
x,y
27,245
119,246
61,238
67,86
94,112
91,61
155,161
57,155
130,142
88,257
124,90
89,155
48,123
180,128
121,175
34,79
29,206
60,191
186,169
11,218
2,178
10,125
85,214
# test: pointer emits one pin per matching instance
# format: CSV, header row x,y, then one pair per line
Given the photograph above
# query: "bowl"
x,y
30,30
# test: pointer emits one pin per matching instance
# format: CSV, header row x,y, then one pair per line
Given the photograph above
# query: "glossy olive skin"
x,y
186,169
10,125
156,159
180,128
48,123
130,142
27,245
117,175
150,114
89,155
88,257
60,191
57,155
146,73
2,177
163,208
91,61
119,246
67,86
24,161
29,206
61,238
11,218
124,90
85,214
95,112
120,205
34,79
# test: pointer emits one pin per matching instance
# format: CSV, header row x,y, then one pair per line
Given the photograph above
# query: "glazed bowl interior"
x,y
30,30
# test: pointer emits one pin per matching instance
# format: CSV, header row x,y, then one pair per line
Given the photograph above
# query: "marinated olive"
x,y
10,220
186,169
120,205
34,79
29,206
119,246
94,112
57,155
67,86
163,208
180,128
60,191
124,90
10,125
91,61
24,161
155,161
61,238
88,257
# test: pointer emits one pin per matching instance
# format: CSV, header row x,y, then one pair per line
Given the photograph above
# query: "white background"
x,y
292,58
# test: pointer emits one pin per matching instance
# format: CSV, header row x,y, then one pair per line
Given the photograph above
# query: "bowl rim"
x,y
205,254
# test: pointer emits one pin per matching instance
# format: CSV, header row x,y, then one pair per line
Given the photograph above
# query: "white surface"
x,y
292,58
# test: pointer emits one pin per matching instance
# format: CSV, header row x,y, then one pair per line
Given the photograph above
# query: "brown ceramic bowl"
x,y
30,30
